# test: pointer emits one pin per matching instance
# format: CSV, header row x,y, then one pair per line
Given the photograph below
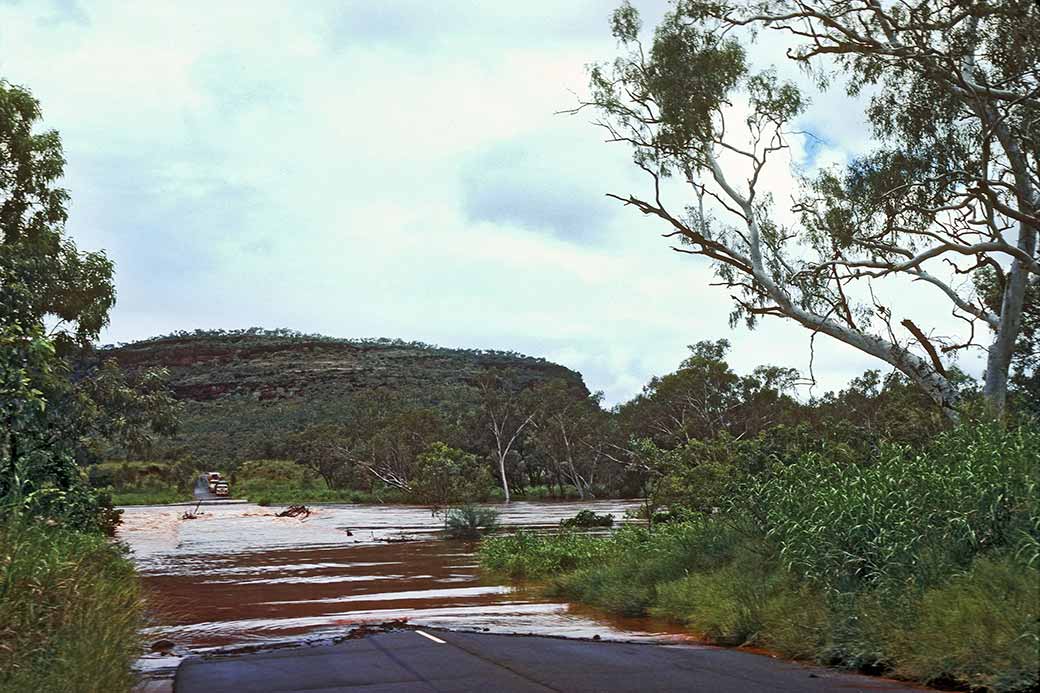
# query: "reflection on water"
x,y
240,575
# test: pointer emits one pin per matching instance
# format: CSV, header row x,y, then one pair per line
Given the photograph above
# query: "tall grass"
x,y
70,610
917,518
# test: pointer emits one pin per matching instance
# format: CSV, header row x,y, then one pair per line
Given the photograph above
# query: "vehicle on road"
x,y
222,488
212,478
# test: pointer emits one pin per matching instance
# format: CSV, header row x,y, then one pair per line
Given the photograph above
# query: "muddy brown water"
x,y
238,575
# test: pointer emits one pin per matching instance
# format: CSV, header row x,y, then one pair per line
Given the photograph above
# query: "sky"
x,y
390,169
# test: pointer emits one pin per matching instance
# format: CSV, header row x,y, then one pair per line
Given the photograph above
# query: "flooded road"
x,y
239,575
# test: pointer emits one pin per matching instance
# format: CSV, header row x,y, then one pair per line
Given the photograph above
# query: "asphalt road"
x,y
409,661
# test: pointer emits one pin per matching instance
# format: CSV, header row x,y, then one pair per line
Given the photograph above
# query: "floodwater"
x,y
238,575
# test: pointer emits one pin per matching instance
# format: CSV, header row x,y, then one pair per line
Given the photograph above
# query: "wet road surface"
x,y
239,576
413,661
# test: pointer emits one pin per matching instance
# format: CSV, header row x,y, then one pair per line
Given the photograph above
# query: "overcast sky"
x,y
384,169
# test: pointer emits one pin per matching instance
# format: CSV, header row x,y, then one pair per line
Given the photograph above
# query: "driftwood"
x,y
295,511
191,514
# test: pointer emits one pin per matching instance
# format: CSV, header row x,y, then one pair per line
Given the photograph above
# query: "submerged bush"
x,y
70,610
588,518
470,522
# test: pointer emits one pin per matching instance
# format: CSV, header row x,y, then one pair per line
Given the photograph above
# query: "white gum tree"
x,y
947,199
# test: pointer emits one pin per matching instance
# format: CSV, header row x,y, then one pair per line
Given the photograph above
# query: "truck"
x,y
212,478
222,488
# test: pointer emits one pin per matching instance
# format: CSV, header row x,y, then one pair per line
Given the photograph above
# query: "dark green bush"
x,y
588,518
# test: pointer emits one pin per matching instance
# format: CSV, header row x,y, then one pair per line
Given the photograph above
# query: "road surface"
x,y
409,661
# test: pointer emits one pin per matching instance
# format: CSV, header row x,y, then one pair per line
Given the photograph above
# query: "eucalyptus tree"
x,y
505,413
949,190
568,429
54,301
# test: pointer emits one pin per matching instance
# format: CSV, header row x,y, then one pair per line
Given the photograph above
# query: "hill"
x,y
244,390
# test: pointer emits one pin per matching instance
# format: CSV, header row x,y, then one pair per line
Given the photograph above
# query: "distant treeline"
x,y
241,336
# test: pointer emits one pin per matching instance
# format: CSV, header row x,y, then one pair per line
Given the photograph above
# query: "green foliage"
x,y
42,273
445,475
56,408
470,522
905,517
588,518
921,564
70,610
981,628
527,554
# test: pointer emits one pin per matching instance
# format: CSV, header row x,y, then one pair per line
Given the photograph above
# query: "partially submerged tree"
x,y
950,190
446,476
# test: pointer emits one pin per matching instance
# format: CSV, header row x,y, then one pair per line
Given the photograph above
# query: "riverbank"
x,y
70,611
923,567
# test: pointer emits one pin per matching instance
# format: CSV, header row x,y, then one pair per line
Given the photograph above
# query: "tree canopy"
x,y
949,190
58,404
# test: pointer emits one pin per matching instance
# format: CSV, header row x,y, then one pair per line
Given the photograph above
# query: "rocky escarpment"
x,y
239,385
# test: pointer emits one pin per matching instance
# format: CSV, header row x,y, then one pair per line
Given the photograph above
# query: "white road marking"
x,y
430,637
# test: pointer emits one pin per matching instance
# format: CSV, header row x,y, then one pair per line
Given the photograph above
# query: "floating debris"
x,y
295,511
191,514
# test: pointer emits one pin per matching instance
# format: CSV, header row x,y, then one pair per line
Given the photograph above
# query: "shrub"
x,y
70,611
588,518
445,475
470,522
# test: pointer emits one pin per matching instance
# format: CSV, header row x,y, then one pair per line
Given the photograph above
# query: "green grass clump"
x,y
70,610
527,554
981,628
